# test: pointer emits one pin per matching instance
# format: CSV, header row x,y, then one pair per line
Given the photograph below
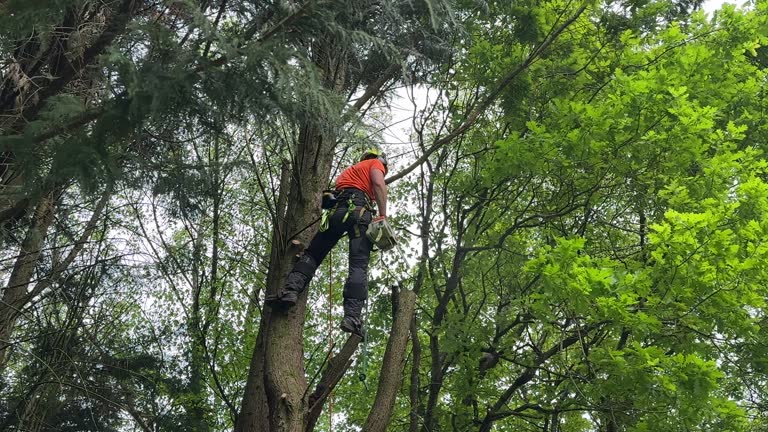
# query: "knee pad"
x,y
306,265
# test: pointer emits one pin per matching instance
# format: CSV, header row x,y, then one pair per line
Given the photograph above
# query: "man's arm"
x,y
380,189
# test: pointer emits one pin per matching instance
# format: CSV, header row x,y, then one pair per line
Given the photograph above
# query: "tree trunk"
x,y
15,293
277,383
277,365
284,359
414,390
391,376
254,412
332,374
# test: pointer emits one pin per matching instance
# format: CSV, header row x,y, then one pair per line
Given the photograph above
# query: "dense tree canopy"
x,y
581,195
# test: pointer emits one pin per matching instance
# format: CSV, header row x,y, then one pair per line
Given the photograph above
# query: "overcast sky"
x,y
710,6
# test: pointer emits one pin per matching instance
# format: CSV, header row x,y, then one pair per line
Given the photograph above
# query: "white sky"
x,y
710,6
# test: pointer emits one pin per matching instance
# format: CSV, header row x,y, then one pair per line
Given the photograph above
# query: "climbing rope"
x,y
362,368
330,334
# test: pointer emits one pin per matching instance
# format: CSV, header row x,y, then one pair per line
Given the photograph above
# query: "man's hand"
x,y
378,218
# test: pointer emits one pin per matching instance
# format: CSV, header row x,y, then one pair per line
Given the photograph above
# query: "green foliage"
x,y
613,234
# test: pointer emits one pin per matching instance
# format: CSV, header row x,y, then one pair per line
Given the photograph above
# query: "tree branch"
x,y
502,84
332,374
391,376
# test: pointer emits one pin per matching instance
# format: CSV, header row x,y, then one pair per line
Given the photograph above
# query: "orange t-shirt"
x,y
358,176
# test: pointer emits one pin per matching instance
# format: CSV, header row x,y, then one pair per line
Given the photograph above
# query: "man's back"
x,y
358,176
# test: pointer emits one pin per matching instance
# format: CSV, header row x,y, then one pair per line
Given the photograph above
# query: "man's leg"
x,y
302,272
356,287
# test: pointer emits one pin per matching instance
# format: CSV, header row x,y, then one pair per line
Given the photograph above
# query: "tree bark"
x,y
391,375
284,359
15,292
332,374
414,390
254,412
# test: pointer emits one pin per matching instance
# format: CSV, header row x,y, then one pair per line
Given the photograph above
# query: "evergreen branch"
x,y
221,61
501,85
285,21
79,121
136,415
115,26
215,25
93,114
373,89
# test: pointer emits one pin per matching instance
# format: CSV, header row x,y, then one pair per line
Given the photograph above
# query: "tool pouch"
x,y
381,234
329,199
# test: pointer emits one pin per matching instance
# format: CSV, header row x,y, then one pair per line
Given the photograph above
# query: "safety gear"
x,y
356,201
353,316
330,200
381,234
376,153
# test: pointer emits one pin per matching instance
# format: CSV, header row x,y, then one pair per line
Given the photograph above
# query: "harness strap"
x,y
350,194
350,209
325,218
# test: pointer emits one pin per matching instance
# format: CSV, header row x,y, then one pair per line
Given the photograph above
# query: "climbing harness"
x,y
333,199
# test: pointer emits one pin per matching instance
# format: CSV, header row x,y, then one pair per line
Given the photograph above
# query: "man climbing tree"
x,y
349,210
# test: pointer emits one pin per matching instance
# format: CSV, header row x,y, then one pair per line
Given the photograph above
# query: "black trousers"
x,y
352,221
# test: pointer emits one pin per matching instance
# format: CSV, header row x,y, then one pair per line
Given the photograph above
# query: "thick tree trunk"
x,y
277,377
254,413
284,359
277,366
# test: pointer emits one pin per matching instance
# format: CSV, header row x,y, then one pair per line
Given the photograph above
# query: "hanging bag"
x,y
381,234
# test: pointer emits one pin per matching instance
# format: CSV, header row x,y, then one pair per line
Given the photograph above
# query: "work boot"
x,y
284,299
295,283
353,321
288,295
